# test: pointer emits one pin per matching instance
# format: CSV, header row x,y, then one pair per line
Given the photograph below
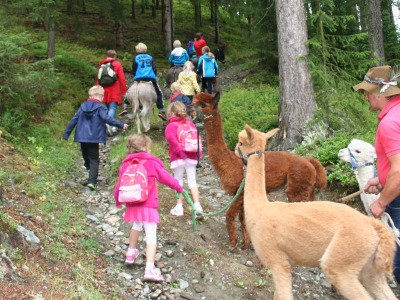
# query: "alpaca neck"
x,y
224,160
364,174
255,196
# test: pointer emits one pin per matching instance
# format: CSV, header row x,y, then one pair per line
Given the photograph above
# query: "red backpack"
x,y
134,184
188,137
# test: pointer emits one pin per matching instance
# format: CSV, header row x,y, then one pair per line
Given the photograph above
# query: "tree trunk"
x,y
51,46
167,25
296,102
120,35
212,11
70,6
197,14
375,33
143,6
250,21
153,9
133,11
216,22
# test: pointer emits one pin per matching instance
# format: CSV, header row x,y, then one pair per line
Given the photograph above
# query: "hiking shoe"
x,y
124,111
177,211
131,256
114,129
199,217
92,186
153,274
162,115
109,133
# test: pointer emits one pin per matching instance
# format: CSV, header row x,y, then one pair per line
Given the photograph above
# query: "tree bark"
x,y
133,11
167,25
153,9
296,102
375,32
216,22
197,13
51,46
212,10
120,35
250,21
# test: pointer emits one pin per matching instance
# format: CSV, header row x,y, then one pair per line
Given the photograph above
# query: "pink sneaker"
x,y
131,256
153,274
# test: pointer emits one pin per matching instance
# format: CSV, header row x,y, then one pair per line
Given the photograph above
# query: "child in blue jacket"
x,y
90,121
178,56
144,69
208,70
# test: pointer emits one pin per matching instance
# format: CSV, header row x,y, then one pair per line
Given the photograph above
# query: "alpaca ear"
x,y
249,132
216,99
271,133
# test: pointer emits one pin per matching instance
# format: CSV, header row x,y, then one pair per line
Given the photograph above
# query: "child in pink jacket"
x,y
181,161
145,214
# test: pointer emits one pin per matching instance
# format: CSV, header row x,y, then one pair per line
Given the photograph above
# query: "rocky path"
x,y
195,264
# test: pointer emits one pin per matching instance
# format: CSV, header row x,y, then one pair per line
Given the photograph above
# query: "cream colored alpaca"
x,y
361,155
355,252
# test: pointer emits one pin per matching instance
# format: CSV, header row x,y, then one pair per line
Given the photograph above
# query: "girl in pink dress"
x,y
145,214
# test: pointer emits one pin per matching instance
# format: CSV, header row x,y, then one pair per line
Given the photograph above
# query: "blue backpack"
x,y
191,51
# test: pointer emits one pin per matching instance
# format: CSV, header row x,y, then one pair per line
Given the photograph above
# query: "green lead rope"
x,y
222,210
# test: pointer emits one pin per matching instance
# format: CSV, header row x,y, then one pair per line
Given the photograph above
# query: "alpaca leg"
x,y
349,286
282,277
230,224
245,234
374,281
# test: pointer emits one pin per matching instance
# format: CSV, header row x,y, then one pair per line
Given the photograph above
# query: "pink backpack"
x,y
187,137
134,186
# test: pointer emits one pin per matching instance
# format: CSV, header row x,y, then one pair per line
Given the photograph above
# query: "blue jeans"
x,y
393,210
112,109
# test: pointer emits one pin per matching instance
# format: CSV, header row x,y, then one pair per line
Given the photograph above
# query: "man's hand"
x,y
377,209
126,126
373,186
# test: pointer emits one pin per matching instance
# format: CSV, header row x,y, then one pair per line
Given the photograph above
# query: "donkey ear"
x,y
217,96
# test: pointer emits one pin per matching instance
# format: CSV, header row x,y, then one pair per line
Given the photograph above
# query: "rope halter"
x,y
355,164
246,157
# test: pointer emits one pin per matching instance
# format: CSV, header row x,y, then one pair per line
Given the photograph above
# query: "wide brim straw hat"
x,y
380,81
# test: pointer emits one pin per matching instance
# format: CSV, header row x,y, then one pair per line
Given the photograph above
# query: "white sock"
x,y
130,250
197,206
149,265
179,205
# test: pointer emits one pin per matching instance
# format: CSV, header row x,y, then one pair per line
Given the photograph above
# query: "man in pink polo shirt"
x,y
382,91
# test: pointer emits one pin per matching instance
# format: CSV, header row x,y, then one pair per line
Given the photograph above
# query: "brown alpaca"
x,y
301,175
354,251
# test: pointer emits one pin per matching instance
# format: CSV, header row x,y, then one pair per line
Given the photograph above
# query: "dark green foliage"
x,y
256,107
27,88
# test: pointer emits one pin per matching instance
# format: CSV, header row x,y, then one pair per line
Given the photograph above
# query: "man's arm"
x,y
391,189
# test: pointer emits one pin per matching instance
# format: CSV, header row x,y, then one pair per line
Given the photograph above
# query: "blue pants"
x,y
393,210
112,108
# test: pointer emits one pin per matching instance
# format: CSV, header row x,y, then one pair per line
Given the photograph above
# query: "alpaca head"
x,y
207,103
252,141
358,153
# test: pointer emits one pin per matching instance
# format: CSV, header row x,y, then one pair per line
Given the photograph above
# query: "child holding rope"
x,y
181,160
145,214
